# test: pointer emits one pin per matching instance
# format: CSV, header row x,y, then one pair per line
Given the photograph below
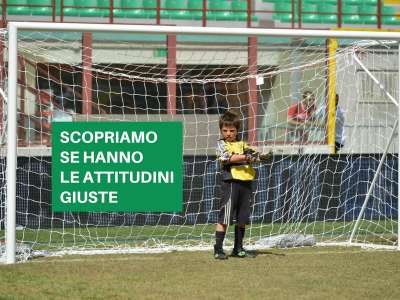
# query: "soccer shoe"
x,y
219,254
242,253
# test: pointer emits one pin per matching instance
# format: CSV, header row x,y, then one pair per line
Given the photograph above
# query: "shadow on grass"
x,y
265,252
255,253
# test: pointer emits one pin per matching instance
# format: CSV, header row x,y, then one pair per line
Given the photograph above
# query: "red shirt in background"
x,y
298,113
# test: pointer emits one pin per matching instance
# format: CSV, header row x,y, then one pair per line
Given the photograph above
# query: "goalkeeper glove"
x,y
252,155
265,156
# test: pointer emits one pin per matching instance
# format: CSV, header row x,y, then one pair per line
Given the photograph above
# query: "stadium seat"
x,y
309,14
389,16
275,1
350,14
19,9
368,14
328,2
242,6
69,11
352,2
130,9
283,12
58,6
118,11
150,8
180,13
283,1
89,8
82,8
311,1
370,2
195,4
223,8
241,15
103,7
328,13
40,10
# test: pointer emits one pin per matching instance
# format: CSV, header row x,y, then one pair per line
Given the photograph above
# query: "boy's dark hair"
x,y
229,118
307,94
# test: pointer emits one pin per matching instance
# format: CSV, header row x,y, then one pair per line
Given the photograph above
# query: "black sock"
x,y
219,239
239,235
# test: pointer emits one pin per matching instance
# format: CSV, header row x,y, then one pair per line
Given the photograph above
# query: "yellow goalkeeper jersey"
x,y
238,171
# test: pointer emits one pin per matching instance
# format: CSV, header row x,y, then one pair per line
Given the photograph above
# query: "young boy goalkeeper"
x,y
237,175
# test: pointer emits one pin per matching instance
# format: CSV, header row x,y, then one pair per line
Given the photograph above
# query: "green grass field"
x,y
302,273
379,232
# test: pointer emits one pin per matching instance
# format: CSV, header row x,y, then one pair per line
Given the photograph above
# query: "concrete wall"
x,y
368,124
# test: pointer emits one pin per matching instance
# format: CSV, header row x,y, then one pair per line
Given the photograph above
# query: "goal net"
x,y
349,197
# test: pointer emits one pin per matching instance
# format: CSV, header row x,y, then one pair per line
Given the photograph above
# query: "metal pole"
x,y
204,14
53,10
111,8
4,14
158,12
379,13
2,83
253,99
171,66
331,128
364,206
249,15
21,117
87,60
11,144
398,157
293,13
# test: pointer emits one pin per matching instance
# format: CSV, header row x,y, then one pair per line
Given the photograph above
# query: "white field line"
x,y
135,257
69,260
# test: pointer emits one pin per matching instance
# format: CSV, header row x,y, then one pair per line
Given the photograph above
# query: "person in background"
x,y
339,126
301,116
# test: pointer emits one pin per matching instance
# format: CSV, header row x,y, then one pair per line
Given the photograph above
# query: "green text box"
x,y
117,166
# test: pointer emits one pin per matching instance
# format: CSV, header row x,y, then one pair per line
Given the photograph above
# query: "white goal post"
x,y
12,92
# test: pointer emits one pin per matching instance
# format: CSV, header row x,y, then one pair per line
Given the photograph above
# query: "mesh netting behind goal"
x,y
303,189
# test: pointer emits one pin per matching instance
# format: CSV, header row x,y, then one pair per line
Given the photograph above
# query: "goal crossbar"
x,y
150,29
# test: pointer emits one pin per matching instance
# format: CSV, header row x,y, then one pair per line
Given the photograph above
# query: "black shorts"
x,y
235,202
